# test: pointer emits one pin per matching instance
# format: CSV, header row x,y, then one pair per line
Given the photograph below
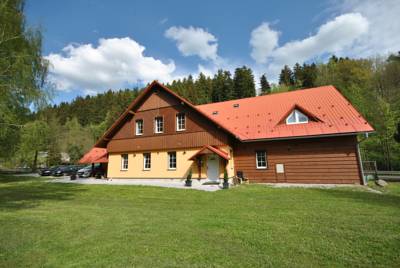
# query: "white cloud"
x,y
114,63
194,42
263,41
335,36
332,37
383,17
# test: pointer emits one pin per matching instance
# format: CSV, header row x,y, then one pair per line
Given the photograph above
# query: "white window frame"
x,y
157,124
146,156
124,162
169,160
137,127
179,118
296,114
264,154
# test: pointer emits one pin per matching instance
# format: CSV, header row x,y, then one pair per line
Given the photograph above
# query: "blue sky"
x,y
96,45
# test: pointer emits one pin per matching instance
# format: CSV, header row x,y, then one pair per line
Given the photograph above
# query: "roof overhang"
x,y
208,149
95,155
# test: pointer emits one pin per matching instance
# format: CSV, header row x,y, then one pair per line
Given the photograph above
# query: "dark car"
x,y
66,170
47,171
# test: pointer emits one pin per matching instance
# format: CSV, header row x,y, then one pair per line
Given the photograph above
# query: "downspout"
x,y
364,181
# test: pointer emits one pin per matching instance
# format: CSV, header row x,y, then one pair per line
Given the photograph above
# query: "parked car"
x,y
66,170
47,171
86,172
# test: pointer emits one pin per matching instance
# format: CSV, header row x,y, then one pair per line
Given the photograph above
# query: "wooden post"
x,y
199,166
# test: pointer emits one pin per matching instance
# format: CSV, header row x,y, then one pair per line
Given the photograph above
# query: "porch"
x,y
211,163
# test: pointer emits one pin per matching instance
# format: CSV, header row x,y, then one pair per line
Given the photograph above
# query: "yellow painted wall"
x,y
159,165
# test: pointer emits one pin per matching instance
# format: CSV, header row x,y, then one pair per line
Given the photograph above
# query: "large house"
x,y
303,136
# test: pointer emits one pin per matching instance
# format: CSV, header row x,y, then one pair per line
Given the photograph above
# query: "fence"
x,y
370,170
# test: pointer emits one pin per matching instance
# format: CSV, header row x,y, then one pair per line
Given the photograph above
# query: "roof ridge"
x,y
269,95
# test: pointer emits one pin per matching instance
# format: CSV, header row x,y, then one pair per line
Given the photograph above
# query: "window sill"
x,y
179,130
123,170
147,169
261,167
171,169
139,134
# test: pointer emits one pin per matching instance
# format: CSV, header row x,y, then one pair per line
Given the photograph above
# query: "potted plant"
x,y
188,182
225,185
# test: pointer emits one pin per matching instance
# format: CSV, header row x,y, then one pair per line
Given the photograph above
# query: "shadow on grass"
x,y
32,192
7,178
384,200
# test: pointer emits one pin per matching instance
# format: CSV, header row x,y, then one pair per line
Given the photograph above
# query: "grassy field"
x,y
51,225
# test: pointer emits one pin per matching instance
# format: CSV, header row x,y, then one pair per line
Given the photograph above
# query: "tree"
x,y
265,87
309,75
286,76
243,83
298,75
203,87
222,86
397,134
35,137
22,70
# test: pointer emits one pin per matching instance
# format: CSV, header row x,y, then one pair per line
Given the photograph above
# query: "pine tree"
x,y
286,76
298,75
222,86
203,87
243,83
309,75
265,86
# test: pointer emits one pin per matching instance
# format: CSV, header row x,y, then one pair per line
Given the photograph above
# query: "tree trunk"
x,y
34,166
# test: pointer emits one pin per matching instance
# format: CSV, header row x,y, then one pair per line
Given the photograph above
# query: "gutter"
x,y
307,137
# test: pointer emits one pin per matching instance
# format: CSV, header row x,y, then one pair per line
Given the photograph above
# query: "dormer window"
x,y
296,117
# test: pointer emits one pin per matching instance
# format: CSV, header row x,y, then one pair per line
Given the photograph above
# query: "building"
x,y
303,136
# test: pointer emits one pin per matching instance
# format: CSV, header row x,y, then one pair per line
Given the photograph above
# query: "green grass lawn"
x,y
51,225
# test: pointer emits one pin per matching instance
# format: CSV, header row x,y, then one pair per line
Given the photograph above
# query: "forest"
x,y
31,126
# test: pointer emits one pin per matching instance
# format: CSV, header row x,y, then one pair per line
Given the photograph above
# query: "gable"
x,y
157,100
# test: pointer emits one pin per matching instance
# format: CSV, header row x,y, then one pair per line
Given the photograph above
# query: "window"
x,y
261,159
159,125
296,117
124,162
146,161
180,122
139,127
172,160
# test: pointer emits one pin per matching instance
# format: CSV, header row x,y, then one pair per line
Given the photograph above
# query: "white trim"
x,y
265,156
136,127
177,122
297,115
144,161
123,162
155,124
169,163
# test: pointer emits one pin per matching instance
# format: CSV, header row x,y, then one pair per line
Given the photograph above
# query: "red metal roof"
x,y
210,149
95,155
263,117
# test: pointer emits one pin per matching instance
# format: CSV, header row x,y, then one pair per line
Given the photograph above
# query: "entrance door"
x,y
213,167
